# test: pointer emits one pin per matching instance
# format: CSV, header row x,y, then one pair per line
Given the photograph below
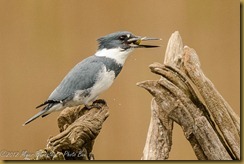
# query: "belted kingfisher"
x,y
95,74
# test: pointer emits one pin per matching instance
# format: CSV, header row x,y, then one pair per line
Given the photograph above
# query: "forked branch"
x,y
184,95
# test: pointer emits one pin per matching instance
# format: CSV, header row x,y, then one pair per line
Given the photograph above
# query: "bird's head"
x,y
124,40
119,44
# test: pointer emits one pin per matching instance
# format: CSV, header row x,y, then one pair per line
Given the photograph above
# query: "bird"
x,y
93,75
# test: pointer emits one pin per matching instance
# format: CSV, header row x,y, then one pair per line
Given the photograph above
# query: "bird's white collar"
x,y
117,54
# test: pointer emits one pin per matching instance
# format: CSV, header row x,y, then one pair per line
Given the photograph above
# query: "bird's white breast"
x,y
104,80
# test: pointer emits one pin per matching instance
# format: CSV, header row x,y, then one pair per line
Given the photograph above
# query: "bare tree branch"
x,y
185,96
79,128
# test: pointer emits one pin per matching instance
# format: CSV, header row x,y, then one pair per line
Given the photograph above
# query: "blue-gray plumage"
x,y
95,74
82,76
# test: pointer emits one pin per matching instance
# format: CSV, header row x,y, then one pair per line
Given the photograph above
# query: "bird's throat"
x,y
117,54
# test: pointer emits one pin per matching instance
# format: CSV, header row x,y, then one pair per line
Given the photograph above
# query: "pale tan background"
x,y
41,40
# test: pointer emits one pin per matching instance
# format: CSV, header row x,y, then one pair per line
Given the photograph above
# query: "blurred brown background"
x,y
40,41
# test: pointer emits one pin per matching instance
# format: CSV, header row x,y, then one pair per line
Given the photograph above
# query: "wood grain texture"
x,y
79,127
187,97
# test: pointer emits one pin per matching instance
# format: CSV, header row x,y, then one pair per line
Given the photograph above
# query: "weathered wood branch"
x,y
159,138
186,96
79,128
225,118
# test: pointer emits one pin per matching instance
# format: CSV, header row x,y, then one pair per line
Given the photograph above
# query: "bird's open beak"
x,y
136,42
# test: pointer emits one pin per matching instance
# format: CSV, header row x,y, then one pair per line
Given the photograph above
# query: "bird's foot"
x,y
96,104
100,101
89,107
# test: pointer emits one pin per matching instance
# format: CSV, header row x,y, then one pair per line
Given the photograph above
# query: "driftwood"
x,y
78,129
184,95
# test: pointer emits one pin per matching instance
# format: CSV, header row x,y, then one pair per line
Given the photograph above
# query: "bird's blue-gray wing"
x,y
81,77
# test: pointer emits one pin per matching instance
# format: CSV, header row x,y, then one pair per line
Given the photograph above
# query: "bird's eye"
x,y
122,37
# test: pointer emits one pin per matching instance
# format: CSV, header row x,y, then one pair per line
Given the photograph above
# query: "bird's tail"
x,y
41,113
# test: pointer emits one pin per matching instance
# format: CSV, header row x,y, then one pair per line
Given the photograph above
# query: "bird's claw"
x,y
96,104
